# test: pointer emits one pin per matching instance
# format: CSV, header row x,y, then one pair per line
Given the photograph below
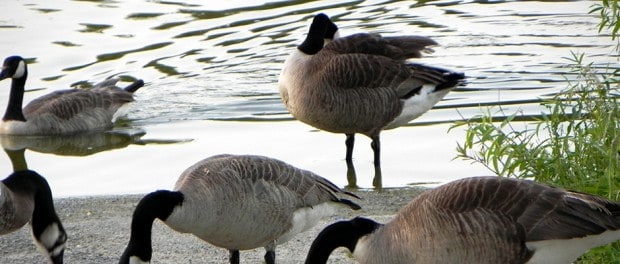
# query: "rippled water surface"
x,y
211,71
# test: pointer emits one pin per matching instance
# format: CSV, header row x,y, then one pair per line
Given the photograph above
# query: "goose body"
x,y
360,83
26,197
480,220
61,112
237,203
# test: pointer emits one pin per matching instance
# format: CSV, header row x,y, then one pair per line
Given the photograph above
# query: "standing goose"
x,y
237,203
61,112
360,83
26,197
480,220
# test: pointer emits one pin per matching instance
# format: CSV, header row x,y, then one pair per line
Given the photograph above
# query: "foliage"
x,y
609,12
574,143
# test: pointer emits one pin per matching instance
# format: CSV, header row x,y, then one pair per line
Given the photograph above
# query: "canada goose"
x,y
480,220
60,112
360,83
26,197
238,203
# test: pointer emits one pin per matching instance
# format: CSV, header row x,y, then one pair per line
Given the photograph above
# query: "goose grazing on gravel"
x,y
360,83
61,112
26,197
480,220
237,203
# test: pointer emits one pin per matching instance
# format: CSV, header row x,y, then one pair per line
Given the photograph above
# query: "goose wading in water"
x,y
360,83
61,112
479,220
25,197
237,203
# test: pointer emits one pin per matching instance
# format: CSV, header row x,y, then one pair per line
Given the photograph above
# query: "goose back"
x,y
493,220
16,206
72,111
25,196
362,84
62,112
255,195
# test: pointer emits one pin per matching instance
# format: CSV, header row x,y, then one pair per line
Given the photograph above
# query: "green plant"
x,y
609,12
574,143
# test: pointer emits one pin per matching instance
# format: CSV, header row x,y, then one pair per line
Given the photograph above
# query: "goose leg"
x,y
376,147
349,142
270,257
270,252
351,176
234,256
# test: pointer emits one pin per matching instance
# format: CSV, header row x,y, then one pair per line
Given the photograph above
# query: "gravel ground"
x,y
98,231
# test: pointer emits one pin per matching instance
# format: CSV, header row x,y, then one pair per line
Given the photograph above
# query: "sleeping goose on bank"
x,y
238,203
26,197
360,83
480,220
61,112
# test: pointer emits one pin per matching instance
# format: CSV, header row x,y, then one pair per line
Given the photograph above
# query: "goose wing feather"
x,y
440,238
545,212
310,188
14,212
396,48
66,104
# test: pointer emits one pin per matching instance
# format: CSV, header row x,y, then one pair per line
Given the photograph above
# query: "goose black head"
x,y
13,67
314,40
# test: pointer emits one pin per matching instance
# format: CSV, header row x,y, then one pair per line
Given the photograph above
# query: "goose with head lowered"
x,y
236,202
26,197
360,83
61,112
480,220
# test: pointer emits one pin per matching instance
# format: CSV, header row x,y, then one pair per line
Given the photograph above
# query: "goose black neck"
x,y
16,99
44,215
158,204
31,183
314,40
340,234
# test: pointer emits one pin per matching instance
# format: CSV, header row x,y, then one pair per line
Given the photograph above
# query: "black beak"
x,y
4,74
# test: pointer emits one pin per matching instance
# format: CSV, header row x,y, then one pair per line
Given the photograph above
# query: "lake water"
x,y
211,73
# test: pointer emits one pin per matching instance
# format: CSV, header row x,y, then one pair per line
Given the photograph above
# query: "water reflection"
x,y
229,54
220,60
18,159
377,180
80,144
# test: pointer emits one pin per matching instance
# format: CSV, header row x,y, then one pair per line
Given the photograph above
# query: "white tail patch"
x,y
307,217
562,251
122,111
418,105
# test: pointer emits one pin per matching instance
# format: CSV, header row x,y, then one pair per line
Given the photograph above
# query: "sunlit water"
x,y
211,69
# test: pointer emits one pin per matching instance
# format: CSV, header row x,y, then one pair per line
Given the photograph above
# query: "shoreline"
x,y
98,231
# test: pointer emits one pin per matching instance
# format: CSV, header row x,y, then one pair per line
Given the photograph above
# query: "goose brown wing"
x,y
312,188
66,104
396,48
545,212
284,180
353,71
557,214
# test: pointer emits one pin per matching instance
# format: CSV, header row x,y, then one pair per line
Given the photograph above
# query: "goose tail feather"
x,y
134,86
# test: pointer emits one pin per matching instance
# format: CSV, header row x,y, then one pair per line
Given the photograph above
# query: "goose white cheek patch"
x,y
21,69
